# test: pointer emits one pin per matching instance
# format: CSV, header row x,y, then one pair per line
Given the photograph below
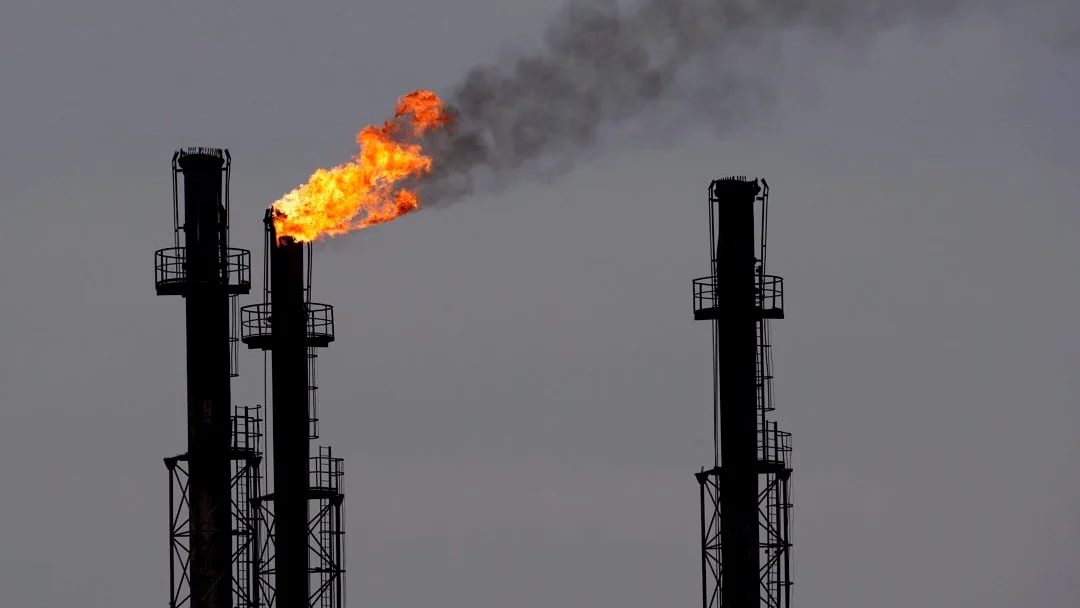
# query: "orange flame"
x,y
362,192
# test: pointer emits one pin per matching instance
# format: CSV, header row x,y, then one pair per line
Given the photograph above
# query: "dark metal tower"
x,y
300,556
745,499
208,533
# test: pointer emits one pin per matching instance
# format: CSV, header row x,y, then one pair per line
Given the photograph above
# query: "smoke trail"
x,y
601,64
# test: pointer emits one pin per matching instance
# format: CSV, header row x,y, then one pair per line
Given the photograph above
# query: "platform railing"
x,y
768,293
326,470
170,271
256,322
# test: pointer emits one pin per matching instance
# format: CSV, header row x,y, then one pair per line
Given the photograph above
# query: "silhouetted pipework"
x,y
208,274
745,501
303,543
291,449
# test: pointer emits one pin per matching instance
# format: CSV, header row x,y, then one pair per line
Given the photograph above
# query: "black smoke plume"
x,y
602,64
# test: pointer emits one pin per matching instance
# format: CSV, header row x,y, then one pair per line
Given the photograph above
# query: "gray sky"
x,y
518,388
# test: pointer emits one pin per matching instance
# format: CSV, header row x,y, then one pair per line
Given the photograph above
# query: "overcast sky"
x,y
518,387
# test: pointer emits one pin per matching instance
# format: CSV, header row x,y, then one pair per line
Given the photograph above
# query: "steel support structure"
x,y
209,275
245,483
300,555
326,531
744,495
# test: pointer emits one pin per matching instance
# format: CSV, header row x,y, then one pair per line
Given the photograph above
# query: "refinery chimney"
x,y
208,274
290,415
745,501
305,506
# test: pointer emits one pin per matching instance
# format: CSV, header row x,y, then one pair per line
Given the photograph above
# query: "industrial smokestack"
x,y
736,338
206,272
289,321
306,522
209,400
745,545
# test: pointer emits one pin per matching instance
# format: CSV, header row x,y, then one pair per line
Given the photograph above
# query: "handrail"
x,y
768,293
326,470
256,321
170,268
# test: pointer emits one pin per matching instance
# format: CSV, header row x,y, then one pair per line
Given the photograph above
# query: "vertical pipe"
x,y
257,561
338,556
290,399
208,407
172,537
704,547
784,527
736,350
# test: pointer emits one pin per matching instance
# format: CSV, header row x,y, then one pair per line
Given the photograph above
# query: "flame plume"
x,y
365,191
